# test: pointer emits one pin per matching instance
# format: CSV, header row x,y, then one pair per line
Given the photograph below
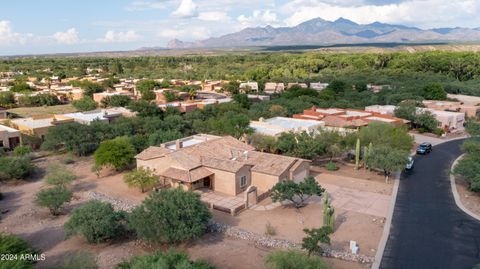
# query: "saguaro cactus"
x,y
328,212
357,154
365,155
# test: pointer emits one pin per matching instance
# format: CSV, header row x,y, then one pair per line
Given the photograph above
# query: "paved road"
x,y
428,229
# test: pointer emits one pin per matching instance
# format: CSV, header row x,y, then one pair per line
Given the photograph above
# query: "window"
x,y
243,181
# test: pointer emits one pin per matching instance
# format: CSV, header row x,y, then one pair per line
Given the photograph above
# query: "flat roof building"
x,y
278,125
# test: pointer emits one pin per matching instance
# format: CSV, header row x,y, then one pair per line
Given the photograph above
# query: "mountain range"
x,y
322,32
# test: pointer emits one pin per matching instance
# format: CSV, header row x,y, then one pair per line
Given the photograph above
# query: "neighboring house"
x,y
98,97
66,93
469,110
38,125
95,115
318,86
191,105
9,137
221,164
252,86
161,97
273,87
466,99
449,121
209,85
301,85
278,125
341,119
3,113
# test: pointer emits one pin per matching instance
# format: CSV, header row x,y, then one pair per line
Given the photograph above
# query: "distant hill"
x,y
322,32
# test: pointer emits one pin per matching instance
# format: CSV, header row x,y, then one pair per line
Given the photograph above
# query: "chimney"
x,y
178,144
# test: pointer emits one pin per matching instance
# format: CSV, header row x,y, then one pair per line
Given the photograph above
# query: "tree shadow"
x,y
10,203
340,219
45,239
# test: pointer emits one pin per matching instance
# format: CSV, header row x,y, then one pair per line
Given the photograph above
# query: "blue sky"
x,y
48,26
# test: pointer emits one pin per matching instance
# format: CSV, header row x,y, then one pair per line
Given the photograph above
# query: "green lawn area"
x,y
31,111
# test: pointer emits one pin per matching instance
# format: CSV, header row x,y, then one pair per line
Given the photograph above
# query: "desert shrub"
x,y
68,160
331,166
15,167
170,215
11,244
169,259
22,151
96,221
438,131
59,175
422,130
53,198
84,260
281,259
315,236
270,229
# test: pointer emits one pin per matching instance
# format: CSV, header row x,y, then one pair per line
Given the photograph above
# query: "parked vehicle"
x,y
424,148
409,165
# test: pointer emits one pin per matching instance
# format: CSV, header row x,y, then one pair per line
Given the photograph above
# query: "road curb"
x,y
388,224
456,195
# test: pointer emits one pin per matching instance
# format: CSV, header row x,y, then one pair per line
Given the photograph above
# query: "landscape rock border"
x,y
241,234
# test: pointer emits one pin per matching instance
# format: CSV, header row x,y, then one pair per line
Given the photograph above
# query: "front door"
x,y
206,182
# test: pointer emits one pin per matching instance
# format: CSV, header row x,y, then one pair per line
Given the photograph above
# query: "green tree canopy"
x,y
169,259
14,245
53,198
116,101
282,259
96,221
118,152
434,92
85,104
169,216
142,178
297,193
387,159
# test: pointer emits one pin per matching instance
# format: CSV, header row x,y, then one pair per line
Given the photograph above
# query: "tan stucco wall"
x,y
244,171
5,136
264,182
158,164
223,181
301,172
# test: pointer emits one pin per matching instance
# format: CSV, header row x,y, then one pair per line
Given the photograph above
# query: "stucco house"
x,y
273,87
447,120
38,125
221,164
278,125
9,137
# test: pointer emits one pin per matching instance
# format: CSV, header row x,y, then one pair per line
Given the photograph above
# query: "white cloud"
x,y
441,13
112,36
258,18
69,37
213,16
9,37
186,9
